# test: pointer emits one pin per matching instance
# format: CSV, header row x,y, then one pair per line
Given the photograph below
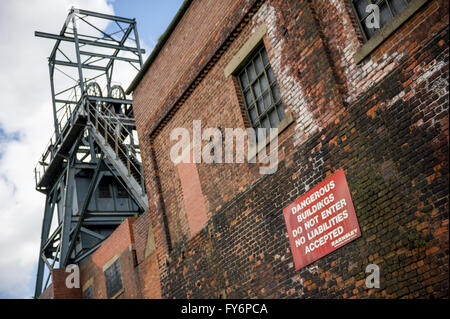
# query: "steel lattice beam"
x,y
87,42
75,162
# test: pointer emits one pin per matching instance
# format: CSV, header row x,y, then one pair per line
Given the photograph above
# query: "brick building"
x,y
342,96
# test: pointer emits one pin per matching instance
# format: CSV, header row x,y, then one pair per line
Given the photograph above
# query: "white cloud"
x,y
25,112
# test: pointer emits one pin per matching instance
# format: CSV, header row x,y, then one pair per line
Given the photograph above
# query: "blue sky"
x,y
5,138
152,17
26,117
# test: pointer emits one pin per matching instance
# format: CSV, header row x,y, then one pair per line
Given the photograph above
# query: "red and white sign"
x,y
321,221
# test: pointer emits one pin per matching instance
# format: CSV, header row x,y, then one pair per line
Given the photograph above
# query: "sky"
x,y
26,116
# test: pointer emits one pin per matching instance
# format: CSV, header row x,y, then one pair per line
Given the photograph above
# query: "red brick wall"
x,y
193,197
150,280
385,121
59,287
48,293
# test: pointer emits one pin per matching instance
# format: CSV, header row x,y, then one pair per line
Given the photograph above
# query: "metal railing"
x,y
41,166
115,129
65,120
121,138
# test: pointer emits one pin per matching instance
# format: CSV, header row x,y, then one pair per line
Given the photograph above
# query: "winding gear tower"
x,y
91,171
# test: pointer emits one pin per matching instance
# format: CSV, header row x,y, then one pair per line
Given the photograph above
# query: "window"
x,y
113,279
104,190
388,9
121,191
260,92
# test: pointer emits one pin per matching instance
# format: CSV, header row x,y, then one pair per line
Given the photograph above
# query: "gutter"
x,y
161,41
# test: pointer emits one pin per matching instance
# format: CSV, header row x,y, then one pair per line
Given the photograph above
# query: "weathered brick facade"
x,y
119,245
383,120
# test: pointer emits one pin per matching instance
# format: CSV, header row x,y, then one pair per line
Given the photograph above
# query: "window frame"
x,y
386,31
104,188
120,291
377,2
274,104
121,191
233,67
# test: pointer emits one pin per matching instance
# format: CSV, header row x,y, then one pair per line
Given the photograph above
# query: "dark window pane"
x,y
104,190
265,57
248,97
256,89
270,75
265,122
253,115
273,116
251,73
280,110
385,14
267,100
113,279
276,93
264,84
121,192
368,31
397,6
244,82
260,106
259,65
360,6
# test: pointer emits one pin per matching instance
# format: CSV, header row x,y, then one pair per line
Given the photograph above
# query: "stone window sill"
x,y
120,292
387,30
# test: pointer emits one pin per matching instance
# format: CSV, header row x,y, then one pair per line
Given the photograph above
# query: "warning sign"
x,y
321,221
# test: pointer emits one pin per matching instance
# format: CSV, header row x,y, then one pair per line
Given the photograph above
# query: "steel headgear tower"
x,y
91,170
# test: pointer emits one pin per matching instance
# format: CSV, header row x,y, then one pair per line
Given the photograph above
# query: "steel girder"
x,y
63,224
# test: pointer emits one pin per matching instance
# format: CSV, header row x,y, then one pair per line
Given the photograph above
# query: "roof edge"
x,y
159,45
